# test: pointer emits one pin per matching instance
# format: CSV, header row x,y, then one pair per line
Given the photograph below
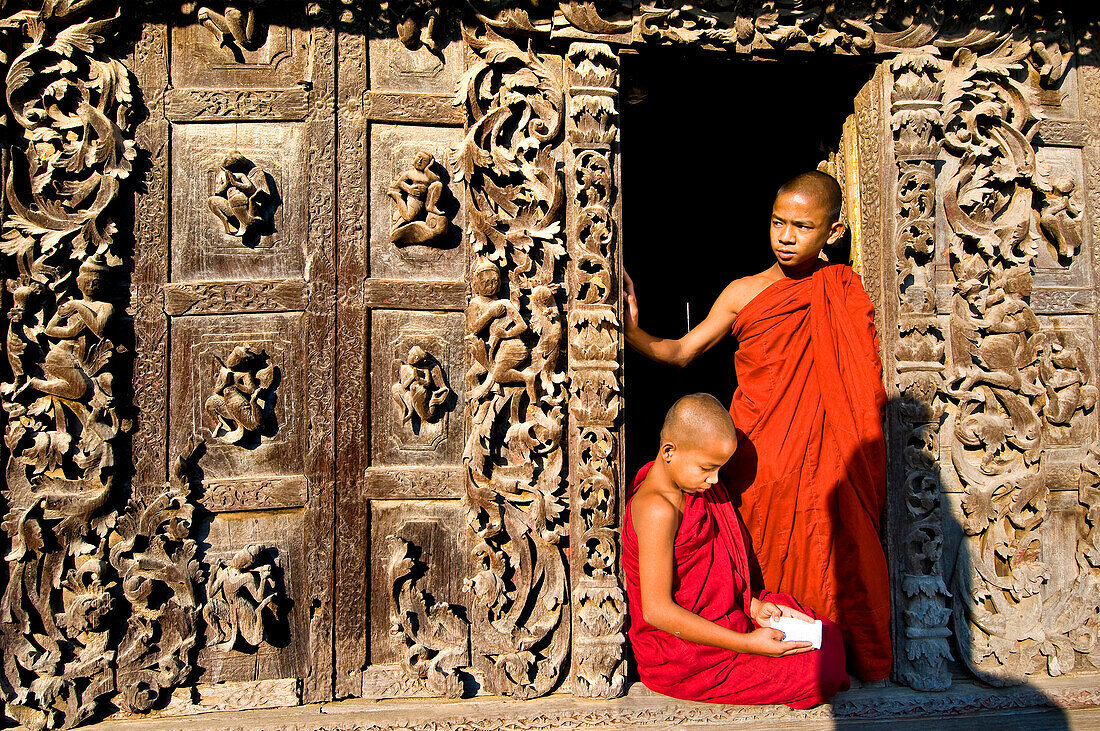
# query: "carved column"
x,y
599,605
919,365
82,559
994,429
515,493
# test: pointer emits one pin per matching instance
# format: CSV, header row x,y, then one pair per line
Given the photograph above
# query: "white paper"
x,y
795,630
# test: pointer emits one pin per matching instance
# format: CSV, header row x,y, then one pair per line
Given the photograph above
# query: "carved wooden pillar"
x,y
595,356
918,365
515,398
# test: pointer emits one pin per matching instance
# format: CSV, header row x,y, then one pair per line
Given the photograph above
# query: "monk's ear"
x,y
668,450
836,231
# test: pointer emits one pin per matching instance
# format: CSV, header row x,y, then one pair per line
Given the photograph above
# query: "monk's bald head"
x,y
820,187
696,420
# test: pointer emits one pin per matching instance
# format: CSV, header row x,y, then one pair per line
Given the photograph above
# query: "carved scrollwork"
x,y
70,153
920,356
244,199
1004,630
598,602
433,636
515,498
244,599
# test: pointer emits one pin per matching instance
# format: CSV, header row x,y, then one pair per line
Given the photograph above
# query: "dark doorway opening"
x,y
706,142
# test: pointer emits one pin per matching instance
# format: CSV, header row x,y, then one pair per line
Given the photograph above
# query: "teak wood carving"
x,y
329,253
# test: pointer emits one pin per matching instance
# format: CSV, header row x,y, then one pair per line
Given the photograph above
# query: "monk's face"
x,y
695,468
800,229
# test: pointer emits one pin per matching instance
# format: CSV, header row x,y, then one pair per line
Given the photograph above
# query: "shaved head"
x,y
817,186
696,420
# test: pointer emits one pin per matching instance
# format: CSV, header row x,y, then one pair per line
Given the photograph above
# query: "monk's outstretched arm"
x,y
681,351
655,523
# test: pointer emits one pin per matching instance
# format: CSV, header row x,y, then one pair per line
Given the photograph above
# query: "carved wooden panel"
x,y
417,362
393,153
238,202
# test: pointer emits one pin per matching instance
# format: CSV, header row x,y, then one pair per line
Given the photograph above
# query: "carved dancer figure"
x,y
417,26
241,393
1063,372
417,218
87,313
544,356
421,388
811,475
1061,217
236,30
701,630
237,597
242,197
498,356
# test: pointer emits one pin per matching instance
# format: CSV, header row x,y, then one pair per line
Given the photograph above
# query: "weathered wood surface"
x,y
355,428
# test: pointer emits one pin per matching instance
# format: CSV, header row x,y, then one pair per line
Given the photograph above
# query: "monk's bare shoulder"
x,y
653,514
740,292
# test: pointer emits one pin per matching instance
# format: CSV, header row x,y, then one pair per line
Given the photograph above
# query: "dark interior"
x,y
705,144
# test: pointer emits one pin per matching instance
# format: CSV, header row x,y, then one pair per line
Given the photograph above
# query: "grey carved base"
x,y
639,709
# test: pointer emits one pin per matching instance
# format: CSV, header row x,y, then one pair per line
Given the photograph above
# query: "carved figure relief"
x,y
515,499
243,599
244,199
1065,375
432,636
1060,217
235,28
415,195
243,401
421,390
417,22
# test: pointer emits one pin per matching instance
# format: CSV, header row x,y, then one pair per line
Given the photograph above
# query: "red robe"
x,y
713,580
812,471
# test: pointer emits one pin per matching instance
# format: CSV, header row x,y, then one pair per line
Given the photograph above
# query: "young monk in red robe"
x,y
810,402
699,629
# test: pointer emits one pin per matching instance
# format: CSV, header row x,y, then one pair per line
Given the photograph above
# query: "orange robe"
x,y
713,580
812,470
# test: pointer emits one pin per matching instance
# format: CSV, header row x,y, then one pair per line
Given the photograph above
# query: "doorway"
x,y
706,141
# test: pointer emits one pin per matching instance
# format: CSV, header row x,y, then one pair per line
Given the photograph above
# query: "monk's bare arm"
x,y
704,336
655,522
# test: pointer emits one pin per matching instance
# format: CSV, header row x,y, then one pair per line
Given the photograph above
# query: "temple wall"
x,y
315,358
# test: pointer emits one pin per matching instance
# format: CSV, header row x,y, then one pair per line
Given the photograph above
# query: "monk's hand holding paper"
x,y
769,643
763,613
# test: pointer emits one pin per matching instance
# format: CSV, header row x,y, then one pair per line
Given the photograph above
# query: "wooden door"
x,y
236,370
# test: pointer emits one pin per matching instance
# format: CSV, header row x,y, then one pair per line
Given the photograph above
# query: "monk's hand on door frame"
x,y
631,301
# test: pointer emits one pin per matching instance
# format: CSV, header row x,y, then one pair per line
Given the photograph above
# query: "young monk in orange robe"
x,y
699,628
811,475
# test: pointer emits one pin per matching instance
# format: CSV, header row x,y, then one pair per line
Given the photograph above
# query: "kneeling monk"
x,y
699,629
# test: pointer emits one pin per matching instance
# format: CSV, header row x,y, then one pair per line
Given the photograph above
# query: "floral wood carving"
x,y
599,605
433,637
996,396
919,355
242,405
71,151
243,600
244,199
515,496
415,195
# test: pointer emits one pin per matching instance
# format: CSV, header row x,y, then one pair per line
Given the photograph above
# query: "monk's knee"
x,y
833,676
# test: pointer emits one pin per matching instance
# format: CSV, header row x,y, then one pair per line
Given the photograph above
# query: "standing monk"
x,y
810,403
